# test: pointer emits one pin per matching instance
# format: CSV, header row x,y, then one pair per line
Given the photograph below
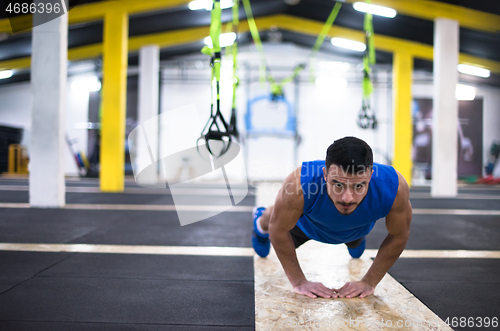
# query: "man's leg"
x,y
264,219
356,247
260,236
261,242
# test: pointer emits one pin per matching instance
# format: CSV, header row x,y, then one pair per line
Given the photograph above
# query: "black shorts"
x,y
300,237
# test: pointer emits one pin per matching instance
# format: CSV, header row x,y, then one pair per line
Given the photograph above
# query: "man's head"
x,y
349,163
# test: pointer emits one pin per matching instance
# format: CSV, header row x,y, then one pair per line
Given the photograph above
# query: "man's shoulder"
x,y
312,169
402,195
384,187
291,190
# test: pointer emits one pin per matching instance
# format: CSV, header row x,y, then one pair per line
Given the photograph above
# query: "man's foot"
x,y
260,241
357,251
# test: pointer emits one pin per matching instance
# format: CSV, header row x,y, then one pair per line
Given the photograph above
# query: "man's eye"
x,y
359,186
338,185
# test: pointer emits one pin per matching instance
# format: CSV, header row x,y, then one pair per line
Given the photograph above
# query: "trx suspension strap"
x,y
322,35
256,39
366,116
277,88
216,128
233,129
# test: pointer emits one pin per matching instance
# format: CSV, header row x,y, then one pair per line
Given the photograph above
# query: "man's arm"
x,y
398,225
287,210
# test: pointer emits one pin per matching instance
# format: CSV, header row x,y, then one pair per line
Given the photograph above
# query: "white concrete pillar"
x,y
149,71
48,83
445,112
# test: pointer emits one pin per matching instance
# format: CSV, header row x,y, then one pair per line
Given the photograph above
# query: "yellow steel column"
x,y
403,130
115,61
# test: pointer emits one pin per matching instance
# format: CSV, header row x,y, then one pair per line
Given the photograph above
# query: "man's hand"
x,y
313,289
353,289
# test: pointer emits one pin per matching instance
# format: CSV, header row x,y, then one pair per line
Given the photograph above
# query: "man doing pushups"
x,y
336,201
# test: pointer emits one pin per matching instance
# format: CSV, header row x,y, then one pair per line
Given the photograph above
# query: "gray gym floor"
x,y
113,291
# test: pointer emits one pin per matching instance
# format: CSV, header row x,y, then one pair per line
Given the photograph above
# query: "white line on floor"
x,y
82,206
143,190
419,211
129,249
221,251
195,208
441,254
461,196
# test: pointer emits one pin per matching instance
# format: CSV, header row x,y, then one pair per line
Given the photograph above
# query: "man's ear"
x,y
324,173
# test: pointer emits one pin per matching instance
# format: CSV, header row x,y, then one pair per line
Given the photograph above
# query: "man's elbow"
x,y
277,233
402,237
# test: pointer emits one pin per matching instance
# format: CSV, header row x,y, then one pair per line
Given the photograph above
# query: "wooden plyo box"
x,y
278,307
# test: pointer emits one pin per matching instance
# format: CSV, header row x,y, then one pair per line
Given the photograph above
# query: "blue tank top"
x,y
322,221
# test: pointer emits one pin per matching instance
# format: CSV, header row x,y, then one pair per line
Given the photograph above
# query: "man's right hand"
x,y
313,289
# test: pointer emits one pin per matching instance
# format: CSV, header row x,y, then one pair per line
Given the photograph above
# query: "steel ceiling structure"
x,y
178,30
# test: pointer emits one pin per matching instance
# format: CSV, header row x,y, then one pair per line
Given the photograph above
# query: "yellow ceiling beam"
x,y
430,10
5,26
425,9
285,22
74,54
85,52
169,39
24,20
382,43
491,65
21,63
96,11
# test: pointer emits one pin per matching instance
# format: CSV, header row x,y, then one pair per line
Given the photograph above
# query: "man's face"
x,y
346,188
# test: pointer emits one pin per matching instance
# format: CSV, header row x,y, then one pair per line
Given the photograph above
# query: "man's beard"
x,y
346,211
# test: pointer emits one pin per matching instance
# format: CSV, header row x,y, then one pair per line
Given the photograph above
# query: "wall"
x,y
15,110
423,88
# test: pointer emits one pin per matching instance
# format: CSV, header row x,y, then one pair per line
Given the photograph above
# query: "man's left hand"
x,y
354,289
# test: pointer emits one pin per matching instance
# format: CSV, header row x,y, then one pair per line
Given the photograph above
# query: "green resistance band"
x,y
322,35
369,57
256,38
277,88
366,117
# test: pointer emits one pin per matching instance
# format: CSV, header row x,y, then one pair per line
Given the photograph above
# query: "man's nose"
x,y
347,196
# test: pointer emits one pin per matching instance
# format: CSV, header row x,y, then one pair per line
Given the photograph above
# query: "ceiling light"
x,y
464,92
472,70
374,9
208,4
86,84
225,39
349,44
6,74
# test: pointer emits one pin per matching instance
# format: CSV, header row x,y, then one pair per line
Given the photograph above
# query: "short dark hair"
x,y
351,154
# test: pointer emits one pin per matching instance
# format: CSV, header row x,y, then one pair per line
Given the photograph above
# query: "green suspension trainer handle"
x,y
212,130
264,72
